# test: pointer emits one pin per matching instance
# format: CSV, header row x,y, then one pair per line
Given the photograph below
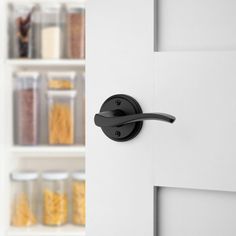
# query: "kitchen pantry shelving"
x,y
42,156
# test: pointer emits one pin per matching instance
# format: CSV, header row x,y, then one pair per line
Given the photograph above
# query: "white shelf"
x,y
68,230
49,151
39,62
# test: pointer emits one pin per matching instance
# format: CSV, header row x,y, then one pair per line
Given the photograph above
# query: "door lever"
x,y
118,118
121,118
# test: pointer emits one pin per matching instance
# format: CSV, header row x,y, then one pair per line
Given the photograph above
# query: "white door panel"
x,y
199,150
196,152
195,25
184,212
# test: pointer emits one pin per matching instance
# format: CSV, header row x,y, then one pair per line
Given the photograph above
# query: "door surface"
x,y
178,58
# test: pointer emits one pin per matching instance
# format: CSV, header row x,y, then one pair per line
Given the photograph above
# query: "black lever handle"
x,y
118,118
121,118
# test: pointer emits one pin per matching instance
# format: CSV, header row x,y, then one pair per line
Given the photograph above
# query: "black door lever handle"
x,y
121,118
118,118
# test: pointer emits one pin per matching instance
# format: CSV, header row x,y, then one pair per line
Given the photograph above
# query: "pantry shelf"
x,y
46,151
26,62
68,230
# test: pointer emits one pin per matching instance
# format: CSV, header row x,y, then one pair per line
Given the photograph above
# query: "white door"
x,y
176,57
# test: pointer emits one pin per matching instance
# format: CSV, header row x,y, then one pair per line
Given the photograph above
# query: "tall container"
x,y
52,25
75,31
24,210
55,198
61,125
21,30
27,107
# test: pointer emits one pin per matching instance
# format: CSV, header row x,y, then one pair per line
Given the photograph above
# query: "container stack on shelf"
x,y
45,95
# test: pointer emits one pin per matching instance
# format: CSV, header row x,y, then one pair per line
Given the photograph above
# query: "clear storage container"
x,y
21,26
61,80
78,198
24,198
61,125
55,198
75,31
27,107
52,25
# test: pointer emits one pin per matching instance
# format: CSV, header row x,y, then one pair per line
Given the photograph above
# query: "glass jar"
x,y
78,198
55,198
61,80
24,198
61,126
52,24
27,107
75,31
22,41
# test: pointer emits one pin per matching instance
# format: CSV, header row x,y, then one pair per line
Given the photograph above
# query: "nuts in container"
x,y
61,80
24,198
55,198
78,198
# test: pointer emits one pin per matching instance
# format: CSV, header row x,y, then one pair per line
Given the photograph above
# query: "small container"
x,y
61,125
24,198
61,80
78,198
52,25
22,30
27,107
75,31
55,198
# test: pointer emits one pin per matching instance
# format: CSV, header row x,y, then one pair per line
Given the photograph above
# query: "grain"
x,y
76,34
27,100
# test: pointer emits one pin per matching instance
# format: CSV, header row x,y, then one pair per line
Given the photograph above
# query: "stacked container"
x,y
61,108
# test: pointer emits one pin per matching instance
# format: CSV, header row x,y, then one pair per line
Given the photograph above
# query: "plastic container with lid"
x,y
52,25
24,210
27,107
22,37
61,125
61,80
75,20
55,198
78,198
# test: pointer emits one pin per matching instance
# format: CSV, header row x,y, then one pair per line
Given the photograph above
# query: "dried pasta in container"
x,y
24,205
55,198
61,80
61,127
78,199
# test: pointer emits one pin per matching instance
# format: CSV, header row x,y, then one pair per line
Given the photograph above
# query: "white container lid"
x,y
61,75
50,6
75,6
24,175
79,175
64,93
27,74
55,175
